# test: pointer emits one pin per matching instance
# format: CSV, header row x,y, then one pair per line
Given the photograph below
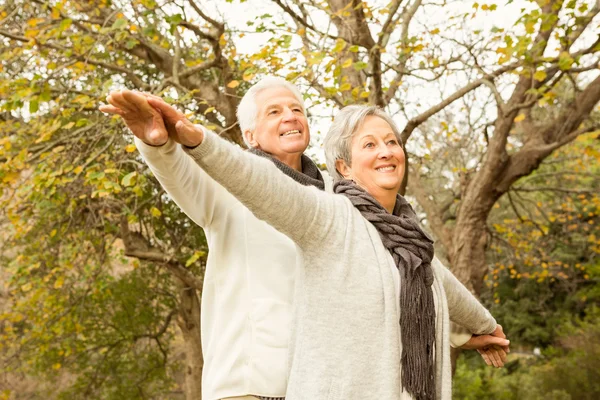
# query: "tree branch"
x,y
135,249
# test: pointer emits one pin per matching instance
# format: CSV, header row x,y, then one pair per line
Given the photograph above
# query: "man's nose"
x,y
288,114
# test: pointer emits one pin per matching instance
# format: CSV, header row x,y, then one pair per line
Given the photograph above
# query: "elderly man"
x,y
249,281
248,285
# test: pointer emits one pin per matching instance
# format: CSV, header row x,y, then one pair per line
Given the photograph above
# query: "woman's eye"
x,y
369,144
393,142
272,112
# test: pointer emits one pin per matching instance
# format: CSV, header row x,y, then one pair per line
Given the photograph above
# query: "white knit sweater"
x,y
248,284
346,337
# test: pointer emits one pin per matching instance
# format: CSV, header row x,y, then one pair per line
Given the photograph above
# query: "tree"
x,y
76,198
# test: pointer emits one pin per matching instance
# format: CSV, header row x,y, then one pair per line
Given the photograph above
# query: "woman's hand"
x,y
151,119
492,348
184,131
144,121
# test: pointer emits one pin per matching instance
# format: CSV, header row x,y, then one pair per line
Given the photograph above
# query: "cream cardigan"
x,y
346,336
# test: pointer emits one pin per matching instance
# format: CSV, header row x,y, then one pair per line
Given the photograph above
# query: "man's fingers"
x,y
111,109
137,100
502,354
169,112
496,359
115,98
485,357
152,96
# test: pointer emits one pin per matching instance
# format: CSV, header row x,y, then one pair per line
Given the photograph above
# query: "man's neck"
x,y
293,161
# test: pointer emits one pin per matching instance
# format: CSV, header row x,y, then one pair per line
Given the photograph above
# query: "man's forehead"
x,y
275,96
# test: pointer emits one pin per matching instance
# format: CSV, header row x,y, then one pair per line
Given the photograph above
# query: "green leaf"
x,y
565,61
360,65
119,23
65,24
33,105
129,179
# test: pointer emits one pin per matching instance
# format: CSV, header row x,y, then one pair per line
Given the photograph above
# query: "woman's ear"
x,y
343,169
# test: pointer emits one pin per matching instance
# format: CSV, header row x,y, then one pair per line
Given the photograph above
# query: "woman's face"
x,y
377,158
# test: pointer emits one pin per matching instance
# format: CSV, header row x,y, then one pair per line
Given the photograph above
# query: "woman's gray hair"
x,y
247,110
338,142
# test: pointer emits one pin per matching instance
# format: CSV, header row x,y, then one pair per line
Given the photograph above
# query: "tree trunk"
x,y
189,323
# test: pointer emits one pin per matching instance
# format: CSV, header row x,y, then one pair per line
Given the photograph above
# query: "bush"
x,y
568,371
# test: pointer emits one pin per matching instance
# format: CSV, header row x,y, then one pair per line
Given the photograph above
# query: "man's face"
x,y
281,126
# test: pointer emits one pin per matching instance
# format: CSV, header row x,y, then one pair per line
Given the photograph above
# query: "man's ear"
x,y
249,135
343,169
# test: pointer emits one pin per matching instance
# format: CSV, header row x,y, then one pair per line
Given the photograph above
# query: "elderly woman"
x,y
373,305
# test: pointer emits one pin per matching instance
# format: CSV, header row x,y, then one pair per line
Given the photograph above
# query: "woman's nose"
x,y
384,151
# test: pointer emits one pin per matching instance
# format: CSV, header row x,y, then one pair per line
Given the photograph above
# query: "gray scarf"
x,y
310,175
412,250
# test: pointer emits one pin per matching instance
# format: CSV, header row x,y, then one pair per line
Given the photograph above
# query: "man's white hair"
x,y
247,110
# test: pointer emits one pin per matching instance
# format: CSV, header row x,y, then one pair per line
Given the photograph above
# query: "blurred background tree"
x,y
103,274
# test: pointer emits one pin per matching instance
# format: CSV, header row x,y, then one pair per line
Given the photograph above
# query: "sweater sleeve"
x,y
196,193
464,309
272,196
459,335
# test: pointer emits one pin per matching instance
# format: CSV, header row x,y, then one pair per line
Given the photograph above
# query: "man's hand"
x,y
184,131
493,348
493,355
143,120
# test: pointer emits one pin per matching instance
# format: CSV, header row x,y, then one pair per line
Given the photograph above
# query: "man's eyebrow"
x,y
271,106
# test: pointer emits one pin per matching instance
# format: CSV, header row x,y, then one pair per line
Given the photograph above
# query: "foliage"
x,y
567,371
76,198
545,256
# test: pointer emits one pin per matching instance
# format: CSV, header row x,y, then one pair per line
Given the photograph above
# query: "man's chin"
x,y
293,146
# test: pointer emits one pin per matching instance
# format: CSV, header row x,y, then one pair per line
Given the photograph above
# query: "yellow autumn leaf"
x,y
233,84
347,63
26,287
539,76
57,366
155,212
59,283
10,177
130,148
78,170
346,86
519,118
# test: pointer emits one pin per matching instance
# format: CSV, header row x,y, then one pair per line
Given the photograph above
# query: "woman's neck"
x,y
388,202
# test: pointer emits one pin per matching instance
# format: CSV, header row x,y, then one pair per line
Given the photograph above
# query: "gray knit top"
x,y
345,342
